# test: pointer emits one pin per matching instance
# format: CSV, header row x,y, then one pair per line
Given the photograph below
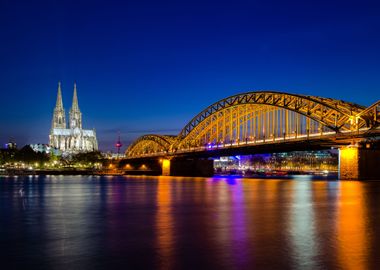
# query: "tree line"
x,y
28,156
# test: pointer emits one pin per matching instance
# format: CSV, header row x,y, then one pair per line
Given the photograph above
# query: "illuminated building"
x,y
287,161
73,139
11,145
44,148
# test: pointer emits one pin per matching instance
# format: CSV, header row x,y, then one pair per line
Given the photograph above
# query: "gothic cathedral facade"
x,y
73,139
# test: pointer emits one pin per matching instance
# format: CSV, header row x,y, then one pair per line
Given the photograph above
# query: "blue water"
x,y
89,222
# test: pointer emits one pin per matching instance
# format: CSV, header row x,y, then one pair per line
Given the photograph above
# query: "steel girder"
x,y
371,115
150,142
337,115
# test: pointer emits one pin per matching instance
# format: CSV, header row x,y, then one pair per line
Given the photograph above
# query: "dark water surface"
x,y
88,222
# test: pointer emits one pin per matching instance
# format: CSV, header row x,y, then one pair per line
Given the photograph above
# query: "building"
x,y
11,144
73,139
45,148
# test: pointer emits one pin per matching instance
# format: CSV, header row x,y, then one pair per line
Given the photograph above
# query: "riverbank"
x,y
23,172
20,172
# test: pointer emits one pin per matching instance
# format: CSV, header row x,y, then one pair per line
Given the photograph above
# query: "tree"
x,y
258,161
87,157
7,155
28,155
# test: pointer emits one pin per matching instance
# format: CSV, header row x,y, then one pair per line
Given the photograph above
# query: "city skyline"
x,y
149,68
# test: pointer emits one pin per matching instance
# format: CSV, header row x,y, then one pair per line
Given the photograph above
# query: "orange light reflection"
x,y
164,224
352,236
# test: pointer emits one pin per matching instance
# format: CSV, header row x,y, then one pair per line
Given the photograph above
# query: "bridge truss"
x,y
262,117
151,143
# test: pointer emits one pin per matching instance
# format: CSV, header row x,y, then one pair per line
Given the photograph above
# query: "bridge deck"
x,y
303,142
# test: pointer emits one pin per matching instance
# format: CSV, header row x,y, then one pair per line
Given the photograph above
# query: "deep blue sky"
x,y
149,67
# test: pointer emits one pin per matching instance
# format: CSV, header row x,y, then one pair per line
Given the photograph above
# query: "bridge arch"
x,y
150,143
261,116
310,113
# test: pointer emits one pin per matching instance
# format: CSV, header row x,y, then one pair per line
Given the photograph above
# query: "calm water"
x,y
66,222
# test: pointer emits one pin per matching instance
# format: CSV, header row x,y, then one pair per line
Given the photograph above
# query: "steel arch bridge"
x,y
262,117
151,143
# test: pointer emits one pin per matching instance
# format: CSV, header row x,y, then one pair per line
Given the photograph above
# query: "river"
x,y
140,222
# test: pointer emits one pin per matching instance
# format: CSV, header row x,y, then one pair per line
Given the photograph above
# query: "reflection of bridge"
x,y
268,121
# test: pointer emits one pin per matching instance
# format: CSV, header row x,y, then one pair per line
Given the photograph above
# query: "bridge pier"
x,y
140,167
166,167
359,162
188,167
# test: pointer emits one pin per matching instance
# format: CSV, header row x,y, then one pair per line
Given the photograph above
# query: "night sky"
x,y
149,67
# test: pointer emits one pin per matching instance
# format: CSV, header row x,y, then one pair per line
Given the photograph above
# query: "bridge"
x,y
269,121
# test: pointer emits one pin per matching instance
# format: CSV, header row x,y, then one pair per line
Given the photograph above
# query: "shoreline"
x,y
52,172
154,173
26,172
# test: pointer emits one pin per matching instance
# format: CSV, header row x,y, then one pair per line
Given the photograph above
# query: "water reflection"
x,y
239,232
302,227
165,225
188,223
353,245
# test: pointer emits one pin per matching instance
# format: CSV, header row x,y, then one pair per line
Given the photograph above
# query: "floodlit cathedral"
x,y
73,139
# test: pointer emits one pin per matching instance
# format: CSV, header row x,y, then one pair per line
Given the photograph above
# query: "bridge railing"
x,y
258,118
248,143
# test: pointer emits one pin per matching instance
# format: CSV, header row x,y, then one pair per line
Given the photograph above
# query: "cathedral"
x,y
73,139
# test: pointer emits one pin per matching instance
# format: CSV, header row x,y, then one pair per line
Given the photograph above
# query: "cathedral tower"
x,y
59,119
75,114
73,139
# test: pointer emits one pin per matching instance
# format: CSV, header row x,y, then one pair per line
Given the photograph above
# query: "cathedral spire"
x,y
75,114
59,103
59,119
75,106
